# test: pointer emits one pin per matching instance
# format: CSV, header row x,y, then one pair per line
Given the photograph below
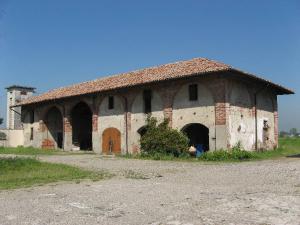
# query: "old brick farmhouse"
x,y
215,104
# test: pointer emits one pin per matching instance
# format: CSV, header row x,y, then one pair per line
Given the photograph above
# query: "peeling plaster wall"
x,y
265,111
241,122
14,138
37,134
201,111
138,117
242,125
112,118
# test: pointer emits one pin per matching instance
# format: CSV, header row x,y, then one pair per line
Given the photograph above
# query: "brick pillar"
x,y
221,138
220,108
128,130
42,133
67,130
95,133
167,94
128,101
95,122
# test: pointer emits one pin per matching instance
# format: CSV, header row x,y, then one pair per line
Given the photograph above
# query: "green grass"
x,y
25,172
288,147
35,151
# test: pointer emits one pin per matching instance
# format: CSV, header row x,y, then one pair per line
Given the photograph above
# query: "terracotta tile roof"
x,y
175,70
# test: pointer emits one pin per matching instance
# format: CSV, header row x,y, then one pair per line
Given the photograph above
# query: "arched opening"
x,y
82,126
198,134
142,131
54,124
111,141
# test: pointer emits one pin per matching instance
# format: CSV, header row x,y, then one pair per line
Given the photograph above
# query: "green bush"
x,y
2,136
237,153
160,140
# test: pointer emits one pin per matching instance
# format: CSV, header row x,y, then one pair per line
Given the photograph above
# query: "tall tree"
x,y
293,131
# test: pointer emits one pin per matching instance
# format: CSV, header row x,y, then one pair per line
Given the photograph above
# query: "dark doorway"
x,y
142,131
54,123
82,126
197,134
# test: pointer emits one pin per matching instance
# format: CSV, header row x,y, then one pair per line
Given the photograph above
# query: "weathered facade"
x,y
216,105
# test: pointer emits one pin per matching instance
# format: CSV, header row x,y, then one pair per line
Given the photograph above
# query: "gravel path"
x,y
155,192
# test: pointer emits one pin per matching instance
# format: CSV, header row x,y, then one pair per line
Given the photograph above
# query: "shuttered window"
x,y
193,92
110,102
147,101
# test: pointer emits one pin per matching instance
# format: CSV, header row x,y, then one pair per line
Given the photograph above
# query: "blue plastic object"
x,y
199,150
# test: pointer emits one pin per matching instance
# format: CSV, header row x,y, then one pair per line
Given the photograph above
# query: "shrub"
x,y
160,140
237,153
2,136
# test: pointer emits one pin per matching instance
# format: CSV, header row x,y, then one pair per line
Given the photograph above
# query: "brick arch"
x,y
43,112
248,102
25,116
198,135
100,103
266,96
75,103
82,125
180,93
155,92
53,122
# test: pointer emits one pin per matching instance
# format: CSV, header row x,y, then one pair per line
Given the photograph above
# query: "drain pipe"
x,y
256,119
126,124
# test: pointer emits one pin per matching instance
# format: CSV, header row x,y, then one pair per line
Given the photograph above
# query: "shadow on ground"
x,y
294,156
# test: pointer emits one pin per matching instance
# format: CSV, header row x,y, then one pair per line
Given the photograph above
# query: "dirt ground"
x,y
160,192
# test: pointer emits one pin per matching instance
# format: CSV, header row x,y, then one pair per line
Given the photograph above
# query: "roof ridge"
x,y
128,72
162,72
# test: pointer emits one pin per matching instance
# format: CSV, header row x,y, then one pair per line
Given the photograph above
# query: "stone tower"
x,y
15,94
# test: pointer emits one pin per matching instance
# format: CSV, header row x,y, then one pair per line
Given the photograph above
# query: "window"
x,y
147,100
31,133
110,102
31,117
193,92
266,124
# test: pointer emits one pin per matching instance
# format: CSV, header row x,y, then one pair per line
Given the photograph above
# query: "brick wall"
x,y
220,113
48,144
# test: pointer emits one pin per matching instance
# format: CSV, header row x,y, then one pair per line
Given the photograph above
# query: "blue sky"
x,y
49,44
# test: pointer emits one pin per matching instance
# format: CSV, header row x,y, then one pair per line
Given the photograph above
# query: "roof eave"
x,y
279,89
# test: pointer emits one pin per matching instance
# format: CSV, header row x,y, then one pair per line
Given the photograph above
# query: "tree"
x,y
160,139
1,121
293,131
283,134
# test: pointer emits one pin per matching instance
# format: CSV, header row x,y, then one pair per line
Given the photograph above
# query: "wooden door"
x,y
111,141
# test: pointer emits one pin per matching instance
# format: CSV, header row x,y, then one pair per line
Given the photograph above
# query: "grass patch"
x,y
25,172
228,155
288,147
35,151
130,174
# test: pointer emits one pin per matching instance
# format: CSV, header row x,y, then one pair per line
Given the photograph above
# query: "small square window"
x,y
31,115
110,102
147,101
266,124
31,133
193,92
